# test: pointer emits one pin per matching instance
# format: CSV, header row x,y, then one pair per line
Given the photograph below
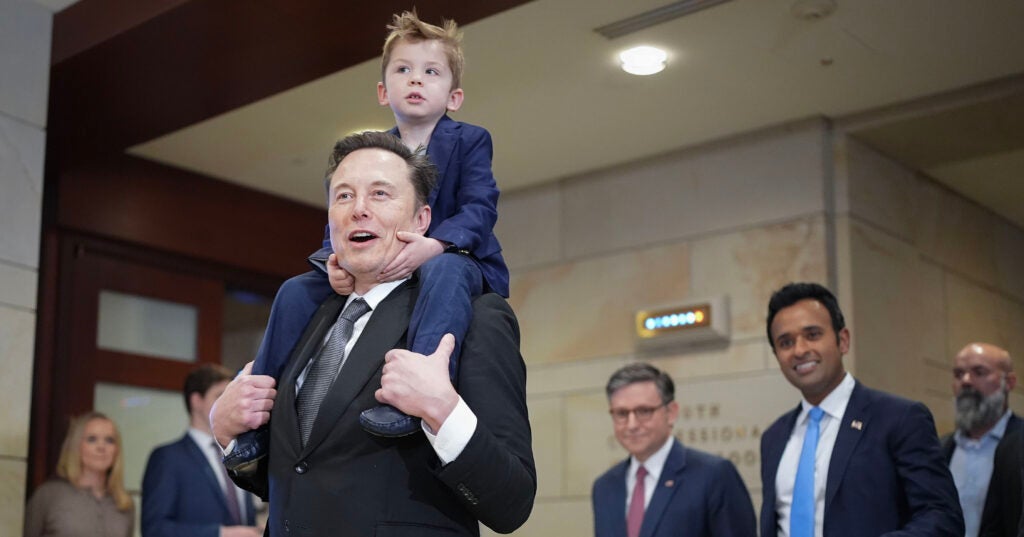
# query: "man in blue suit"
x,y
664,488
185,491
849,460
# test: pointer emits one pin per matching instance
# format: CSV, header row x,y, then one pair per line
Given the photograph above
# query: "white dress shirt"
x,y
654,465
834,406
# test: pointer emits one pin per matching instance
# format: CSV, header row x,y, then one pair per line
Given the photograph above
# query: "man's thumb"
x,y
445,347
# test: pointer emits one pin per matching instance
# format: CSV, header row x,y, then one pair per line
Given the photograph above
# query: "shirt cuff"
x,y
454,434
231,447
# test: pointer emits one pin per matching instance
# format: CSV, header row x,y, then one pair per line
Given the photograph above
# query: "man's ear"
x,y
844,340
382,94
422,221
194,401
455,99
672,411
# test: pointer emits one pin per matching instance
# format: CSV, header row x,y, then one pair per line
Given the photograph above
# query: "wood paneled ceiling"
x,y
255,92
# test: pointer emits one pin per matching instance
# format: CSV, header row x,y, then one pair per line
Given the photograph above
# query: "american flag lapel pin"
x,y
670,483
857,424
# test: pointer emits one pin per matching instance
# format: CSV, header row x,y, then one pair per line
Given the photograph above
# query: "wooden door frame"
x,y
68,363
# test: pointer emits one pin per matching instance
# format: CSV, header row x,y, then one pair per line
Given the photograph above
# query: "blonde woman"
x,y
87,498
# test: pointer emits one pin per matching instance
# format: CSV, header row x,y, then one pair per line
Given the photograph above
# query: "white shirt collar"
x,y
377,294
655,463
202,439
834,404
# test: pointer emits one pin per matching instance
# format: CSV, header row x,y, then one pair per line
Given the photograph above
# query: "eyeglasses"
x,y
642,413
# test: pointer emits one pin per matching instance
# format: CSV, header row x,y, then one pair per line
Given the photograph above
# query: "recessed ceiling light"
x,y
643,60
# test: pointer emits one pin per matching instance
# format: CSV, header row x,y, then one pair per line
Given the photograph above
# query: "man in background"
x,y
664,488
185,490
984,453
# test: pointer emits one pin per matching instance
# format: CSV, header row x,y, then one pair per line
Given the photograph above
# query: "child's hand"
x,y
341,281
417,250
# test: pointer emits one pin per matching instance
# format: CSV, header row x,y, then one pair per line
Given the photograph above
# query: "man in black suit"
x,y
324,474
984,453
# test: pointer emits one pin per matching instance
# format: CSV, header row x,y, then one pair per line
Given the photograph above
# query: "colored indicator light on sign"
x,y
682,324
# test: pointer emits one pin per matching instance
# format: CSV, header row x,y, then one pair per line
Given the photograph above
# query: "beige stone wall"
x,y
929,272
738,217
920,272
24,75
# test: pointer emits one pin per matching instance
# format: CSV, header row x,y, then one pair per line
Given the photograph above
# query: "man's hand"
x,y
240,531
244,405
417,250
341,281
419,385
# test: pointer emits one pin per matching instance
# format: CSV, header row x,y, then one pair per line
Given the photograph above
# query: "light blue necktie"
x,y
801,516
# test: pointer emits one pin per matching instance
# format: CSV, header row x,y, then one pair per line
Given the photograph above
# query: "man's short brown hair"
x,y
201,379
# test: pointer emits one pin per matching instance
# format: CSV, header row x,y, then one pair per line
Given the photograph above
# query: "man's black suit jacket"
x,y
346,482
1001,515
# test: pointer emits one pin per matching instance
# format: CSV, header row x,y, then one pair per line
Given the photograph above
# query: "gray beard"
x,y
974,411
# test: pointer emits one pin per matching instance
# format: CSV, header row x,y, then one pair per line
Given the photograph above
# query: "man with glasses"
x,y
984,453
663,488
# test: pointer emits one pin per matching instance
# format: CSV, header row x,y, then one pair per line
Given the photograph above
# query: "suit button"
x,y
301,468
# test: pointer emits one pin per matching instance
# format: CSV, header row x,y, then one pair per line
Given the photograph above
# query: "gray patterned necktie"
x,y
324,369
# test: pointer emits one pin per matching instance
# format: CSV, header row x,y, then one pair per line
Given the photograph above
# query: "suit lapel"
x,y
1007,462
388,323
666,486
774,450
851,429
309,344
617,505
442,144
199,460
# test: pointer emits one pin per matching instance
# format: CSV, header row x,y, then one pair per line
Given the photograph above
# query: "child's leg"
x,y
296,302
294,306
448,285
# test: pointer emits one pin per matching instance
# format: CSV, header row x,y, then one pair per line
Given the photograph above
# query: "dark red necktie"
x,y
635,517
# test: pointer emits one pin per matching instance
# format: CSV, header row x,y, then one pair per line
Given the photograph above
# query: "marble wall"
x,y
738,217
24,75
929,272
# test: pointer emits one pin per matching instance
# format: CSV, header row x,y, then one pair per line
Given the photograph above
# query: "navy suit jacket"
x,y
698,495
464,206
887,475
181,496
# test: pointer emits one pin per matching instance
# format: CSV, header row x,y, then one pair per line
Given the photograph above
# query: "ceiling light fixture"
x,y
643,60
